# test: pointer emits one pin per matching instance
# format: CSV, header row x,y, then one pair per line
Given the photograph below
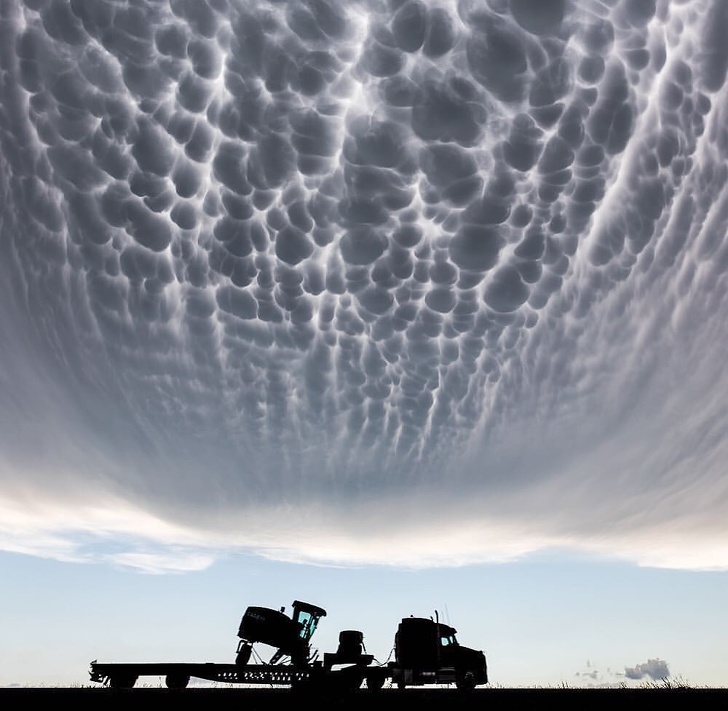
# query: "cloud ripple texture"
x,y
377,281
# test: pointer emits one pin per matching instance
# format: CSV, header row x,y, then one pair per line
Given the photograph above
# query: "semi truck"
x,y
426,651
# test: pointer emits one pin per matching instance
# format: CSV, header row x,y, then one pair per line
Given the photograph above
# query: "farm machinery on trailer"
x,y
426,651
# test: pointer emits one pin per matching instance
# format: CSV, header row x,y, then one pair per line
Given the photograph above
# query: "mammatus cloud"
x,y
367,282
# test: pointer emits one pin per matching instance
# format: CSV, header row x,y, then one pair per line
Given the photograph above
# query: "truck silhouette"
x,y
426,651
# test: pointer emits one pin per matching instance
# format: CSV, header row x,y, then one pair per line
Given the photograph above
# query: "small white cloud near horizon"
x,y
654,669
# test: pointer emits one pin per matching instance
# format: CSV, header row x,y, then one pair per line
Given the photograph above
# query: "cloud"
x,y
302,278
655,669
592,677
652,669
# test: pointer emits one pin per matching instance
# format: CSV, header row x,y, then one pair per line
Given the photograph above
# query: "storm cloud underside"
x,y
385,282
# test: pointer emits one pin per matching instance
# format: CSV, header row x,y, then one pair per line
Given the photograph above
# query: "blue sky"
x,y
543,621
418,299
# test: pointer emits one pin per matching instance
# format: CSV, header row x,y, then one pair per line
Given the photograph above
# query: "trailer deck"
x,y
177,675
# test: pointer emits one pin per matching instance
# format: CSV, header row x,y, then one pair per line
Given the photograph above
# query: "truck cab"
x,y
428,652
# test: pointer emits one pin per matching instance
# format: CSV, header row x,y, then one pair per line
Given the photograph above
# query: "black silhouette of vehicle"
x,y
426,651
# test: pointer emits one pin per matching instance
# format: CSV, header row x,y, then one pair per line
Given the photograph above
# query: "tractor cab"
x,y
291,635
306,617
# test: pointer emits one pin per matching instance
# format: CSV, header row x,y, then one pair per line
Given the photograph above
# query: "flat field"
x,y
436,699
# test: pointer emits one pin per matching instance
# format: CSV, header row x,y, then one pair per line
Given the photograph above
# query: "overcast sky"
x,y
392,283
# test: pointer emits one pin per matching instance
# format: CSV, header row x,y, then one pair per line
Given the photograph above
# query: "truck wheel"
x,y
122,682
465,682
177,681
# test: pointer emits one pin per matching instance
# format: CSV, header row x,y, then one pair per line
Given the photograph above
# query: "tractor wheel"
x,y
243,656
177,681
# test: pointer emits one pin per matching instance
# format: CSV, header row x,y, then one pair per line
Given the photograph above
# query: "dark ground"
x,y
484,699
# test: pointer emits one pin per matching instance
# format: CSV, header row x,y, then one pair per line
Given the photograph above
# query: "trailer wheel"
x,y
120,681
177,681
346,680
375,681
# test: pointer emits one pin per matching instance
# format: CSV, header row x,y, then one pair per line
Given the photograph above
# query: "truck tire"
x,y
465,681
177,681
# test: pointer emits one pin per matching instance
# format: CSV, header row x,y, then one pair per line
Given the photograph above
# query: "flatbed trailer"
x,y
177,675
120,675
